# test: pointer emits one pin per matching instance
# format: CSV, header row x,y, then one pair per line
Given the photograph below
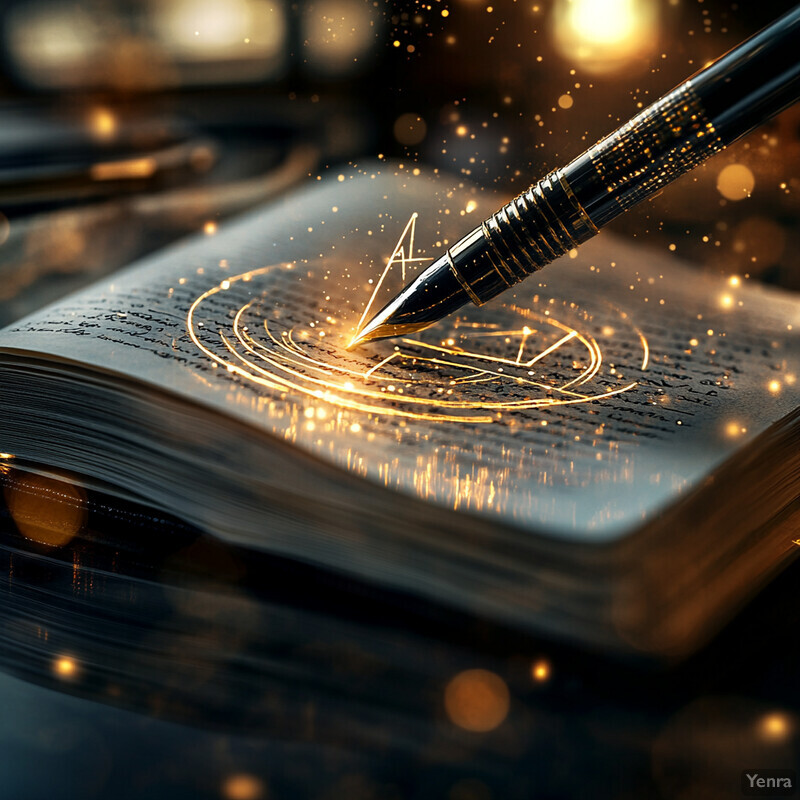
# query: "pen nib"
x,y
435,294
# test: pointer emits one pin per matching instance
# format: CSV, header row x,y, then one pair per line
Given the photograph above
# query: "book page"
x,y
576,405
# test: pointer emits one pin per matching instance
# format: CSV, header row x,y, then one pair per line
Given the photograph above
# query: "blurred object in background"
x,y
57,45
126,126
47,159
161,44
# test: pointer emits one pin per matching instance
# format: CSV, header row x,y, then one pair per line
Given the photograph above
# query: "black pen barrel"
x,y
754,81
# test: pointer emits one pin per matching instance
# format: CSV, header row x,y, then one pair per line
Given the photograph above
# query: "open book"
x,y
610,452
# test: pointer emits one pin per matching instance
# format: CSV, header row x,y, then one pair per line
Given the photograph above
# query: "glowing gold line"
x,y
289,366
410,224
525,335
645,348
381,363
555,346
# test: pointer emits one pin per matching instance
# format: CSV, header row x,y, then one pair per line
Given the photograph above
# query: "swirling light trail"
x,y
474,375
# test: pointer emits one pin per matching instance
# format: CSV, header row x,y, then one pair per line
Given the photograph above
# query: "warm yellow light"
x,y
726,301
735,281
471,206
201,28
540,671
775,726
604,35
65,667
734,429
210,228
774,387
102,123
735,182
603,21
128,169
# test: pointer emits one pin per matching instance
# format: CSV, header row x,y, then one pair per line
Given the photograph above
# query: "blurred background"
x,y
124,125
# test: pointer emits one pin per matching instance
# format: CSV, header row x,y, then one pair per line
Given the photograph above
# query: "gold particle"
x,y
734,429
65,667
774,387
210,228
540,671
565,101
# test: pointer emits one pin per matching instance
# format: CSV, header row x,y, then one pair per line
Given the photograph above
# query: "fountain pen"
x,y
719,104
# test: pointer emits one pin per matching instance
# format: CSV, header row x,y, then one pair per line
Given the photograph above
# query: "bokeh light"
x,y
735,182
65,667
410,129
477,700
102,124
604,35
541,670
243,786
337,34
775,726
45,510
